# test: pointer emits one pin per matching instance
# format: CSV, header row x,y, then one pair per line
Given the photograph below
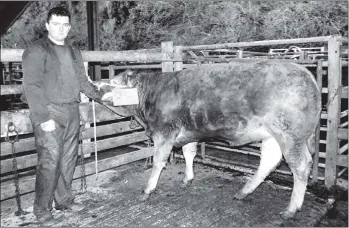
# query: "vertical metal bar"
x,y
333,110
319,73
90,43
90,25
94,71
98,71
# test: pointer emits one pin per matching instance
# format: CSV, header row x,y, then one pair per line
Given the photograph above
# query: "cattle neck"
x,y
142,88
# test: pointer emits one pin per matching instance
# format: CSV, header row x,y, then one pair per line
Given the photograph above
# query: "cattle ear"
x,y
131,81
130,78
121,78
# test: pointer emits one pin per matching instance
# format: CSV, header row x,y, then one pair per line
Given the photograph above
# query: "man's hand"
x,y
108,97
48,126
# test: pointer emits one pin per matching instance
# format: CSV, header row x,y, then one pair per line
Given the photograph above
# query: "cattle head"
x,y
124,79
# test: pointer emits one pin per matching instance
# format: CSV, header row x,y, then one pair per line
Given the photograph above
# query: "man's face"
x,y
58,27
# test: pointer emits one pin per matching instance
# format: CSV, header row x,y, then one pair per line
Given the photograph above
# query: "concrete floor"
x,y
113,200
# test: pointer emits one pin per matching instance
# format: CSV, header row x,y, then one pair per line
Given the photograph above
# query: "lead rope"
x,y
95,137
12,128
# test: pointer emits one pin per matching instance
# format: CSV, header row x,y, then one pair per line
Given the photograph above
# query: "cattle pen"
x,y
121,141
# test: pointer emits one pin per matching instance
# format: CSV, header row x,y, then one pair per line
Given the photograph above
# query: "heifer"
x,y
240,102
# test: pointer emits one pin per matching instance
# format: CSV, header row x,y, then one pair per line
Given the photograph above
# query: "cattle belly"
x,y
233,102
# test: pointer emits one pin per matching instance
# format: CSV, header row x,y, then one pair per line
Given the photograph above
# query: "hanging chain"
x,y
338,90
83,186
12,128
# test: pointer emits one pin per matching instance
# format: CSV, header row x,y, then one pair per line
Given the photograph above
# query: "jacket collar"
x,y
47,41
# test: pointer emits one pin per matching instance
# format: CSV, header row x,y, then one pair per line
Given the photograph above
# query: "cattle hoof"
x,y
144,196
186,183
287,215
240,196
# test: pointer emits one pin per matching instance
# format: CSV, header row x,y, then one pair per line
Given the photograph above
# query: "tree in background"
x,y
305,19
126,25
112,16
209,22
30,26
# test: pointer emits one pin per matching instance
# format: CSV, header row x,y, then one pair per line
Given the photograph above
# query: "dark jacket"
x,y
42,81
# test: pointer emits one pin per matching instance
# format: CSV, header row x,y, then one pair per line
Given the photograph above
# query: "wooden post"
x,y
70,8
111,71
302,55
203,150
333,110
240,54
178,65
319,73
167,47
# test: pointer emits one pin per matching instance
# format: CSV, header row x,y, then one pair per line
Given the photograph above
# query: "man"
x,y
54,75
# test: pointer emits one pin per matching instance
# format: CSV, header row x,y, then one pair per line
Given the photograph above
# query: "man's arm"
x,y
86,85
33,62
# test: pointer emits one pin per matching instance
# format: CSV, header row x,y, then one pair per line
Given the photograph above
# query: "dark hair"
x,y
58,11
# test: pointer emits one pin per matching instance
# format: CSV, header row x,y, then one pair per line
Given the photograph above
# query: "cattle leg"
x,y
299,161
189,152
162,151
270,158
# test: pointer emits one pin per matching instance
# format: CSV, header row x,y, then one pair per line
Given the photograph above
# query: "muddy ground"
x,y
114,200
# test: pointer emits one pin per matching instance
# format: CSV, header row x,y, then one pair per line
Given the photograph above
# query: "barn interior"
x,y
112,190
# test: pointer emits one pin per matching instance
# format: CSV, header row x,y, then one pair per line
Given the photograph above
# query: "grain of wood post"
x,y
178,65
111,71
240,54
203,150
334,83
167,47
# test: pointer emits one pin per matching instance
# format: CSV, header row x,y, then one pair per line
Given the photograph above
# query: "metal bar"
x,y
342,171
260,43
344,124
233,150
236,166
343,149
153,66
317,130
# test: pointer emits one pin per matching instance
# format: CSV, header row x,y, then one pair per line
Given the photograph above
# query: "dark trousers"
x,y
57,153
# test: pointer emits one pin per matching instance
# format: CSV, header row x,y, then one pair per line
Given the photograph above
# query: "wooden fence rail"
x,y
15,55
